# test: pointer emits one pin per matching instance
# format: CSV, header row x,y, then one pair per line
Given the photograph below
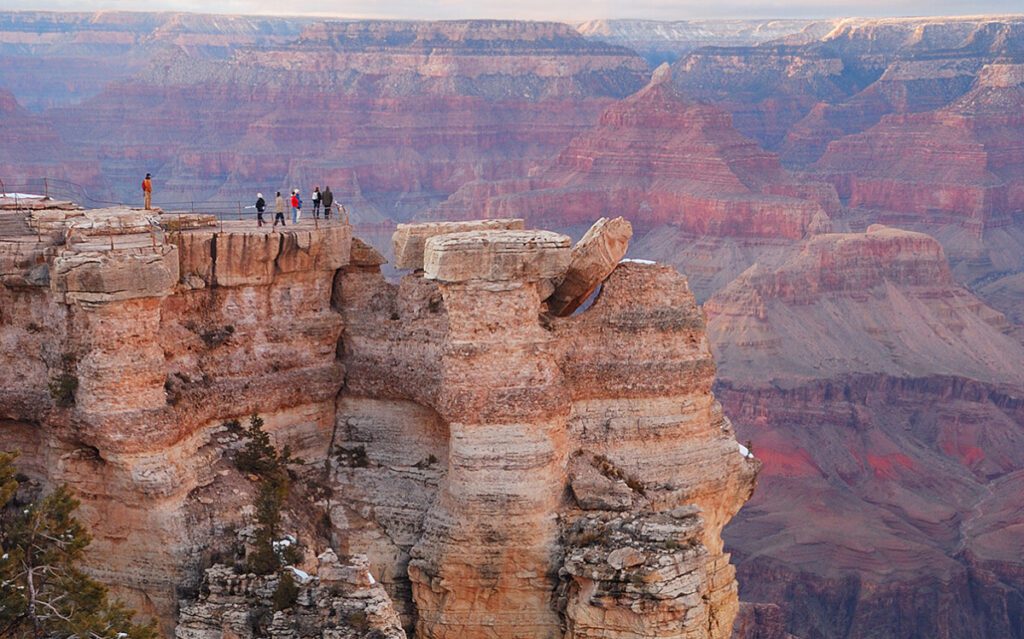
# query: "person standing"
x,y
261,206
147,191
296,206
316,202
279,209
328,201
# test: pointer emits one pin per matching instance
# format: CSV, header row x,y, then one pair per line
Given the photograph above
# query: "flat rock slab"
x,y
409,240
496,256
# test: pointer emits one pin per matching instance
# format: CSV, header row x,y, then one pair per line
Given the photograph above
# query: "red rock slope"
x,y
962,164
886,403
678,170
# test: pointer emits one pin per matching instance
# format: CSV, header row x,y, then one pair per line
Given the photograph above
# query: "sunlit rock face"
x,y
484,533
484,467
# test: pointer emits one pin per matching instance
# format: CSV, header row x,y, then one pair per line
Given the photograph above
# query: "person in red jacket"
x,y
147,191
296,206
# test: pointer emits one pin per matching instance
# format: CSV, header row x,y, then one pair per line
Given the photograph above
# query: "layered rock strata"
x,y
885,401
126,347
480,532
437,420
400,114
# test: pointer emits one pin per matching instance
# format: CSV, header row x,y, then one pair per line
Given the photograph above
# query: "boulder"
x,y
593,259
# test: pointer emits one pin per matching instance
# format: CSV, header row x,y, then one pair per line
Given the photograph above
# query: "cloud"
x,y
562,10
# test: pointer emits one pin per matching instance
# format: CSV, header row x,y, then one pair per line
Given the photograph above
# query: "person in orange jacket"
x,y
147,191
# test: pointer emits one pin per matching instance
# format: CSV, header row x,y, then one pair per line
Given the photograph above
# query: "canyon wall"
x,y
502,471
885,402
392,115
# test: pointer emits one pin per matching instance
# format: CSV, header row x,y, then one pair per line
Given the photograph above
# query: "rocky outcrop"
x,y
437,420
135,339
338,602
594,258
495,375
637,576
409,240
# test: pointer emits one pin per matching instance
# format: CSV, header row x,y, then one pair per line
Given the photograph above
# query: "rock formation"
x,y
884,400
801,91
126,350
958,164
955,172
54,58
594,258
662,41
504,471
339,602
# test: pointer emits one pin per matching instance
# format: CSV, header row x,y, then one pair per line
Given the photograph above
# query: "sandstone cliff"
x,y
505,472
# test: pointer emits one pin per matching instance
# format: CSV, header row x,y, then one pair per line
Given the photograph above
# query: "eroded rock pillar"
x,y
485,566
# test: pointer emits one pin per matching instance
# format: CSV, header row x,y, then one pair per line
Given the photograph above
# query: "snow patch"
x,y
631,260
744,451
23,196
301,575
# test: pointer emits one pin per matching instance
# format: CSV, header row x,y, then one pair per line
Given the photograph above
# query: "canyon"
x,y
844,197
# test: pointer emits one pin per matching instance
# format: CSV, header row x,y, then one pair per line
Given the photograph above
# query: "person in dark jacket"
x,y
316,202
328,199
261,206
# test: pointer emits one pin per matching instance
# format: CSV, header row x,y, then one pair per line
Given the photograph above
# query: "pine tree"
x,y
43,595
260,457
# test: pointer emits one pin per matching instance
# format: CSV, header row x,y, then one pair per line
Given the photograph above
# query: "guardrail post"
x,y
46,187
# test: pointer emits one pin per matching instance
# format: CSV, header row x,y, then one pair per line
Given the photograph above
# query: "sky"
x,y
563,10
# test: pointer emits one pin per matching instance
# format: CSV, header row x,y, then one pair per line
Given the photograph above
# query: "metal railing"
x,y
60,189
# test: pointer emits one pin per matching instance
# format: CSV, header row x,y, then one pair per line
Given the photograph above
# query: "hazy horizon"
x,y
563,11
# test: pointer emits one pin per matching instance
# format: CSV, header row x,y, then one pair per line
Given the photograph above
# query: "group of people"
x,y
320,199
